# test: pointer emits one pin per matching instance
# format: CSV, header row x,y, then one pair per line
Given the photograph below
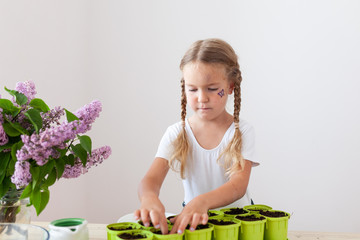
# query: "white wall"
x,y
300,62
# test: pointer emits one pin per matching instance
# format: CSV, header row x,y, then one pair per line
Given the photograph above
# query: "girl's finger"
x,y
145,218
183,224
195,221
154,216
204,218
137,214
163,225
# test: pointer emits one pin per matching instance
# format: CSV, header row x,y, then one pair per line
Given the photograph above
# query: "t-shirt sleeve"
x,y
248,147
166,143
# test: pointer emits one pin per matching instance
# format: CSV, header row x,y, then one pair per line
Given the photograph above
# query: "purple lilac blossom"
x,y
4,139
87,115
22,175
97,157
27,88
42,146
52,116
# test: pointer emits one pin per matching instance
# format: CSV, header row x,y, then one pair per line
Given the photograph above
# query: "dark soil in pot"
x,y
250,218
121,228
220,222
235,211
274,214
142,224
212,214
131,236
200,226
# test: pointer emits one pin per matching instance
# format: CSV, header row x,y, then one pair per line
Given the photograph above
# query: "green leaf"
x,y
85,142
80,152
15,147
60,167
39,104
11,167
36,199
27,191
4,186
8,107
18,127
70,116
50,180
20,98
71,160
35,173
4,161
45,196
35,118
10,130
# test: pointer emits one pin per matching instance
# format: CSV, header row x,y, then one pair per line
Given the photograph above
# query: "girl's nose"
x,y
203,97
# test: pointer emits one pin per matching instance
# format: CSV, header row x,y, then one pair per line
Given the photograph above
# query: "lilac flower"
x,y
52,116
97,157
87,115
42,146
4,139
27,88
22,175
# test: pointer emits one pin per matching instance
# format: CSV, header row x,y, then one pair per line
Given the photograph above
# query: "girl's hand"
x,y
194,213
152,210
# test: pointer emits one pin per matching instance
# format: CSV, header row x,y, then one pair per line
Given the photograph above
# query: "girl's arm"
x,y
195,211
149,189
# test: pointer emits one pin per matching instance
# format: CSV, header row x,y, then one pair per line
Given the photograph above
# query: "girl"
x,y
212,149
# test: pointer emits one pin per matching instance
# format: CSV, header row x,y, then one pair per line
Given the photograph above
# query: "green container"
x,y
257,207
227,213
115,228
252,230
147,234
215,214
276,228
200,234
225,232
174,236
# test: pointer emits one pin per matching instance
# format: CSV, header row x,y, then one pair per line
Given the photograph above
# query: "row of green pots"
x,y
253,222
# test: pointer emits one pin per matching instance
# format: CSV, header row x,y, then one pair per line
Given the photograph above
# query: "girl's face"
x,y
207,89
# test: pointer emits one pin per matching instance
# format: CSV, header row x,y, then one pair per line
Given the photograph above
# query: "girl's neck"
x,y
224,120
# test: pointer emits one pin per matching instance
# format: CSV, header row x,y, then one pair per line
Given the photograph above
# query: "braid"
x,y
183,102
237,93
181,144
233,159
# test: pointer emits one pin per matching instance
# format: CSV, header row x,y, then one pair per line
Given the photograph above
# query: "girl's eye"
x,y
213,89
192,90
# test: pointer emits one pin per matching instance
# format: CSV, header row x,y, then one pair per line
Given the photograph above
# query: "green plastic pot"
x,y
276,228
200,234
227,214
226,232
115,228
257,207
215,214
159,236
252,230
147,234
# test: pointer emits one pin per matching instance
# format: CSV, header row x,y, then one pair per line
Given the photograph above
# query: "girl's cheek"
x,y
221,93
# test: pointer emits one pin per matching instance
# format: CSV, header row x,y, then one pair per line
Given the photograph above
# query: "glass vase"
x,y
13,209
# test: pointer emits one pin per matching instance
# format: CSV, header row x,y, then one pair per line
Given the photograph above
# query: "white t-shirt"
x,y
203,173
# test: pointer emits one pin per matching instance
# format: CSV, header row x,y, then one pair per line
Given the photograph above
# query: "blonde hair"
x,y
212,51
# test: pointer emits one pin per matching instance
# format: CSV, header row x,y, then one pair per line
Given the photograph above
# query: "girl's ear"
x,y
231,88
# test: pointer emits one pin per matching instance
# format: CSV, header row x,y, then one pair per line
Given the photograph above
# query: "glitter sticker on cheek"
x,y
221,93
